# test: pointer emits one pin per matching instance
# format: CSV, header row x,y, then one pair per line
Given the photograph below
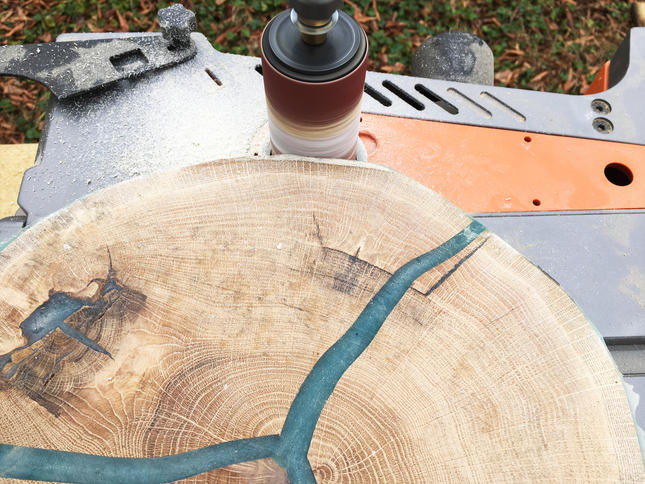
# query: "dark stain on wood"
x,y
62,349
345,281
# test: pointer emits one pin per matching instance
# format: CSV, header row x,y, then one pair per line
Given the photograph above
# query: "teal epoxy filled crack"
x,y
290,448
53,465
53,313
319,384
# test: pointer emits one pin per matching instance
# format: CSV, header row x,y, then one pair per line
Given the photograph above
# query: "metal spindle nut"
x,y
177,22
316,10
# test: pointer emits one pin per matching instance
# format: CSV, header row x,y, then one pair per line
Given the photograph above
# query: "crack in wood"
x,y
53,331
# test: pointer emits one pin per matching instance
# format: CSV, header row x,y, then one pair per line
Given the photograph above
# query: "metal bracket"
x,y
80,66
72,68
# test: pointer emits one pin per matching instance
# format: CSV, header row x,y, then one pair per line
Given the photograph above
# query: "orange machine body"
x,y
495,170
601,81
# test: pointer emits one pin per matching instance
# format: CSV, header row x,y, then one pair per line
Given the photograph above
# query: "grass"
x,y
543,45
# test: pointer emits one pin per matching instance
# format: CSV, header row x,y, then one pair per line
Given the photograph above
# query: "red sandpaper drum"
x,y
319,103
314,92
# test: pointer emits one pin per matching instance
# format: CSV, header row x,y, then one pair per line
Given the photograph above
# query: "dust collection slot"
x,y
438,100
472,104
390,86
373,93
129,61
503,106
212,75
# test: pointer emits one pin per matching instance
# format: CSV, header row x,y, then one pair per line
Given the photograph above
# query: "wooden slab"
x,y
14,160
240,299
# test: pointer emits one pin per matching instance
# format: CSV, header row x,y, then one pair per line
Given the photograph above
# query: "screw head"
x,y
603,125
177,22
600,106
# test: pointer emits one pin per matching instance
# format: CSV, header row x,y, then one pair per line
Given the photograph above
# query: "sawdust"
x,y
633,285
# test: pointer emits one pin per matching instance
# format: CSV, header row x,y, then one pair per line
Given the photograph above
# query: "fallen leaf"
x,y
504,76
569,82
398,67
123,23
378,17
539,77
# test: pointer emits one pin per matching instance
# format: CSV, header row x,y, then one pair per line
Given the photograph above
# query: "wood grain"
x,y
14,160
231,279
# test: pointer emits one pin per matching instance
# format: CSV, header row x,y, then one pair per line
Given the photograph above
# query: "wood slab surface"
x,y
289,320
14,160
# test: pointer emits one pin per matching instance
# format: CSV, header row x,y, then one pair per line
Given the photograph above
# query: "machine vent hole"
x,y
438,100
212,75
390,86
537,202
619,174
258,68
370,91
503,106
472,104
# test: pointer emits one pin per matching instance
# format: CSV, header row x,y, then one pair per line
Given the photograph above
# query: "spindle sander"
x,y
559,177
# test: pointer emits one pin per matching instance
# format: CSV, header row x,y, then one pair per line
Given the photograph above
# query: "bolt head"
x,y
177,22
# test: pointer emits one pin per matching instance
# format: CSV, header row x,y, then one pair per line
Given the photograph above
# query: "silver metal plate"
x,y
597,257
522,110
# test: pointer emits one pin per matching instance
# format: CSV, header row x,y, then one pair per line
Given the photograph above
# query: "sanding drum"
x,y
313,62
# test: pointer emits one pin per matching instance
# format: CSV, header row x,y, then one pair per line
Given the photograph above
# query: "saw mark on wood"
x,y
32,366
289,449
503,315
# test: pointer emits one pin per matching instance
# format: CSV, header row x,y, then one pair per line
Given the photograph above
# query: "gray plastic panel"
x,y
638,382
597,257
